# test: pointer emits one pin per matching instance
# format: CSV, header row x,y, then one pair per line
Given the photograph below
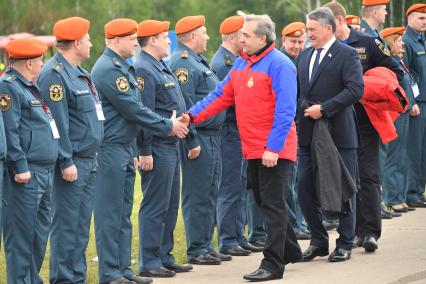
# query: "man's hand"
x,y
70,174
185,119
179,129
23,177
136,163
194,153
415,110
146,163
313,112
269,159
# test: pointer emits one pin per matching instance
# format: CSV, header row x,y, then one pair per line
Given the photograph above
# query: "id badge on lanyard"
x,y
99,111
54,128
416,90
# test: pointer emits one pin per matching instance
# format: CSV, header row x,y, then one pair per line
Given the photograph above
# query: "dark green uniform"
x,y
125,114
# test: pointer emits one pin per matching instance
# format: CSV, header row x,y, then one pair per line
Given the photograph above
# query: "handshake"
x,y
180,125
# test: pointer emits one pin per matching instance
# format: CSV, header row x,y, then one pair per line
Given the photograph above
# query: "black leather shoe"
x,y
294,259
178,268
139,279
221,257
120,280
261,275
385,214
339,254
314,251
303,236
330,225
370,244
357,242
160,272
417,204
392,208
236,251
205,259
251,247
257,243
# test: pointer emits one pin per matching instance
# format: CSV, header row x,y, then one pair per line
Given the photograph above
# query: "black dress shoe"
x,y
339,254
357,242
385,214
397,210
221,257
177,267
205,259
261,275
370,244
139,279
294,259
236,251
120,280
330,225
251,247
303,236
417,204
160,272
314,251
257,243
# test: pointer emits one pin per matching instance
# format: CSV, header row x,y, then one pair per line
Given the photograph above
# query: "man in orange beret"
x,y
69,92
233,183
158,156
353,22
415,60
373,16
32,139
293,40
125,115
200,153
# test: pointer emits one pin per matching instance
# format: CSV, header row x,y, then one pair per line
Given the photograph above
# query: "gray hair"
x,y
265,26
324,15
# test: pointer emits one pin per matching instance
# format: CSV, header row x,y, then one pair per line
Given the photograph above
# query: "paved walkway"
x,y
400,259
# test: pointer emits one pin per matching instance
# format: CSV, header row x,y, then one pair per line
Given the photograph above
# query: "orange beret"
x,y
231,24
73,28
352,20
392,31
295,29
421,8
187,24
120,27
26,48
374,2
152,27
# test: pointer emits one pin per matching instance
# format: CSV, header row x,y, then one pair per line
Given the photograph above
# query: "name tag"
x,y
360,49
99,111
363,56
169,85
54,129
421,53
416,90
208,73
82,92
35,103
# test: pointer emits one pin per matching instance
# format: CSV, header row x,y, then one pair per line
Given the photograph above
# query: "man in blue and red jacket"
x,y
262,85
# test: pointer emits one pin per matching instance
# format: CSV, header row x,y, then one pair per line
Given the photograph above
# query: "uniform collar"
x,y
115,56
71,70
353,36
149,58
225,51
415,36
288,55
254,58
20,77
182,47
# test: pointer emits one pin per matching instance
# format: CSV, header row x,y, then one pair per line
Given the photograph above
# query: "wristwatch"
x,y
322,112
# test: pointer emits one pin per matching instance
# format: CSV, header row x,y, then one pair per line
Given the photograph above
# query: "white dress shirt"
x,y
324,51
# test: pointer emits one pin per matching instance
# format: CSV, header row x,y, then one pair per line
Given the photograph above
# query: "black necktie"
x,y
316,62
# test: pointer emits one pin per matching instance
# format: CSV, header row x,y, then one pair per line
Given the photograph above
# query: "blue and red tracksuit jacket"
x,y
264,90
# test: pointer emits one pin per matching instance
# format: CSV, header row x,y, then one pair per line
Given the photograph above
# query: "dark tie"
x,y
316,62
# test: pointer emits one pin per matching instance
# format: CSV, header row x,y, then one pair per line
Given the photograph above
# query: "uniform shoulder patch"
x,y
56,92
184,54
382,47
182,75
58,67
141,83
5,102
122,84
228,60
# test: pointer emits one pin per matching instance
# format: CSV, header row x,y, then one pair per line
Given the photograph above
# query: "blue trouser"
x,y
159,208
310,206
417,155
27,224
115,182
72,206
294,212
200,183
394,179
231,199
255,222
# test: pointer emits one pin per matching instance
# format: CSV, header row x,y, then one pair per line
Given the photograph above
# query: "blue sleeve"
x,y
284,86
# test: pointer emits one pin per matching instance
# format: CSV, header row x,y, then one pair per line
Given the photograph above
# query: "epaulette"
x,y
58,67
115,61
184,54
228,60
9,78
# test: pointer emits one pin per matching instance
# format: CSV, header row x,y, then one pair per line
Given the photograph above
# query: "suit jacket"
x,y
337,85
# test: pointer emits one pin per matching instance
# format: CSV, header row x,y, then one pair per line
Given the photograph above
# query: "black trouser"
x,y
270,186
368,218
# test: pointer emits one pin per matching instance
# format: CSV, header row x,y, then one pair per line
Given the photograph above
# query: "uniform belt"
x,y
210,132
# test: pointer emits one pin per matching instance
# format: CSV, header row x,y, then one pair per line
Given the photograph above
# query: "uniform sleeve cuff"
x,y
21,166
145,150
67,163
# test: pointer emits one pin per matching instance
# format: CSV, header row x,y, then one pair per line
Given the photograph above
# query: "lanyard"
x,y
44,106
92,88
406,70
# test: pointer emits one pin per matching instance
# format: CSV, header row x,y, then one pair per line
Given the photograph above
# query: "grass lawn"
x,y
92,267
